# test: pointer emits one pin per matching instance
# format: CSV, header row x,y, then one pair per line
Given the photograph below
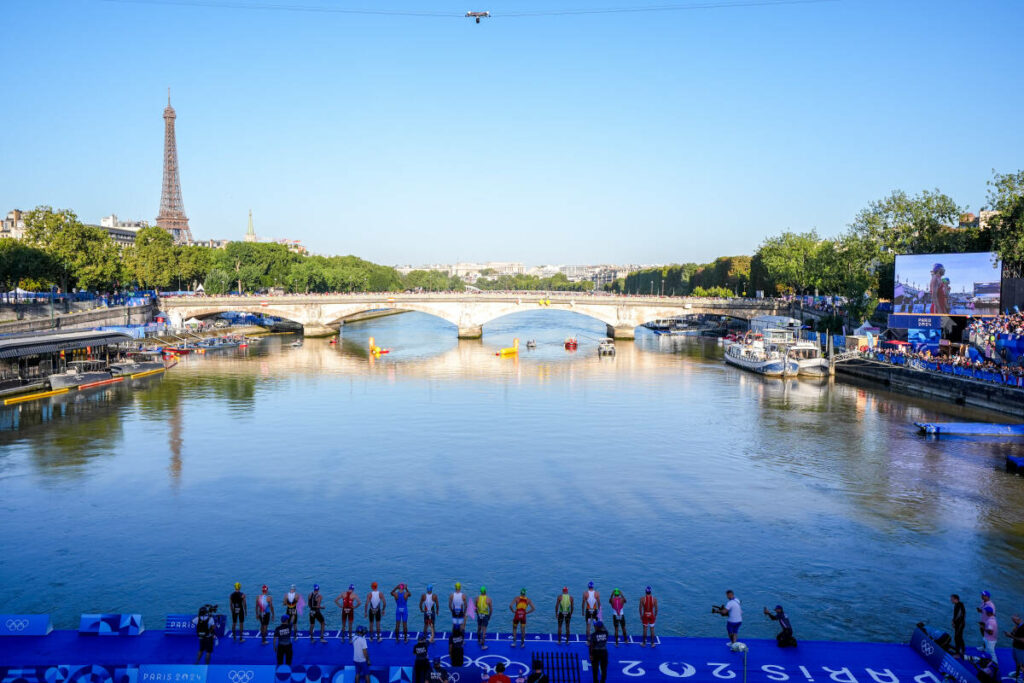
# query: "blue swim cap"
x,y
316,586
284,618
648,589
590,585
778,608
937,266
430,587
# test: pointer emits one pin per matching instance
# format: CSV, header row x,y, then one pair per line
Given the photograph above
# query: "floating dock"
x,y
106,656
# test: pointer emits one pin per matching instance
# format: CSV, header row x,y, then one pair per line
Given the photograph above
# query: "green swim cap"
x,y
522,591
616,592
483,589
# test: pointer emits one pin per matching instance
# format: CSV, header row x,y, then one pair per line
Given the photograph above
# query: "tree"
x,y
218,281
81,255
151,260
308,276
1006,197
785,259
20,261
901,224
191,264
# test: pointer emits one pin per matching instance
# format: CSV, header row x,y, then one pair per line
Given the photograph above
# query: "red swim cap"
x,y
565,589
373,585
264,588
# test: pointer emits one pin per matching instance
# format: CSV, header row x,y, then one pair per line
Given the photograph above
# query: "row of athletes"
x,y
459,605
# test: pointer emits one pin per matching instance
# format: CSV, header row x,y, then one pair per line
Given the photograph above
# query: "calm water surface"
x,y
441,462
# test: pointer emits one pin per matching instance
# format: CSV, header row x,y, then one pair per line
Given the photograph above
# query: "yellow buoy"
x,y
510,350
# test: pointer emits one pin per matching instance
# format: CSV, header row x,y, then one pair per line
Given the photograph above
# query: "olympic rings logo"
x,y
16,624
241,676
927,649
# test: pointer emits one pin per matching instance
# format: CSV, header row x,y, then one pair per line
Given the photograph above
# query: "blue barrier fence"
x,y
954,370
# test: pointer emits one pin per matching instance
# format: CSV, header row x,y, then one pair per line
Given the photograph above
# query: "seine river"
x,y
442,462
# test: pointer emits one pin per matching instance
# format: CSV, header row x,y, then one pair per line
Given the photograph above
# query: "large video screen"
x,y
947,284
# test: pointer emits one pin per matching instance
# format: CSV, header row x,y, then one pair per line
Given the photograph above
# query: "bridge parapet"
x,y
469,312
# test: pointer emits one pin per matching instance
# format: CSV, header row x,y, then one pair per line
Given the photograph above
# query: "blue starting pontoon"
x,y
118,649
970,429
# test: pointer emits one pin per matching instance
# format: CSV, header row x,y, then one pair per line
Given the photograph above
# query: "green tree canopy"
x,y
151,260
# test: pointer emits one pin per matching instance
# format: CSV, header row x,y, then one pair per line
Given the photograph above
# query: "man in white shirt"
x,y
733,613
360,655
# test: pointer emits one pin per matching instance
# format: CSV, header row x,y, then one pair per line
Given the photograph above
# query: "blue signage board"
x,y
940,660
172,673
25,624
185,625
916,322
240,673
111,624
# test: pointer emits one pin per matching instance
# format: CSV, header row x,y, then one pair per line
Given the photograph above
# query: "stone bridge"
x,y
323,314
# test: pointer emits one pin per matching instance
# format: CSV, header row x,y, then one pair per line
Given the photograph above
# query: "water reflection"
x,y
441,461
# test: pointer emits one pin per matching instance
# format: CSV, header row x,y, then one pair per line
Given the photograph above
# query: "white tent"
x,y
193,321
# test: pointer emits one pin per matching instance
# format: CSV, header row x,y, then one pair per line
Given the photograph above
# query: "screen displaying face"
x,y
947,284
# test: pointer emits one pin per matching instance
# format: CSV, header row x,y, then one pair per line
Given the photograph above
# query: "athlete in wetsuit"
x,y
648,615
373,609
618,602
429,607
316,612
457,605
484,607
347,601
401,595
591,605
520,607
283,641
239,607
291,606
564,606
264,611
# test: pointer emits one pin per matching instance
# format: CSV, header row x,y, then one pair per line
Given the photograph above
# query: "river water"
x,y
441,462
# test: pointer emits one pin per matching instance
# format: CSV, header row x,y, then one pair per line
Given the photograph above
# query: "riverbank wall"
x,y
958,390
113,315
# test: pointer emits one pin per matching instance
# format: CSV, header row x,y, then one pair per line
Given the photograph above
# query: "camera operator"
x,y
733,613
206,631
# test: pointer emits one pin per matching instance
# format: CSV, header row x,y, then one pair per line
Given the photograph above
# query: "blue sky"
x,y
630,137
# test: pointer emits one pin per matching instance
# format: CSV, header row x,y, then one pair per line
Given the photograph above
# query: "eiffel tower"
x,y
172,216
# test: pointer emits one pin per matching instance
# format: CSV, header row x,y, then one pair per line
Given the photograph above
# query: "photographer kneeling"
x,y
785,636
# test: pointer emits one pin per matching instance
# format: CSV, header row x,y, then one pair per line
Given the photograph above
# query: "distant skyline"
x,y
638,137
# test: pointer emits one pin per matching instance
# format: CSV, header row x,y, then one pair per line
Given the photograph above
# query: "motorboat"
x,y
571,343
531,344
81,373
136,364
807,355
762,354
606,347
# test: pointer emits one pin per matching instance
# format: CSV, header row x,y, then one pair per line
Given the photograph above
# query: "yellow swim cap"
x,y
238,586
458,585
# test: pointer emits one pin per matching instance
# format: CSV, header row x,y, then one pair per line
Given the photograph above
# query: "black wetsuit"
x,y
316,612
599,653
421,666
237,601
455,651
784,638
959,622
283,633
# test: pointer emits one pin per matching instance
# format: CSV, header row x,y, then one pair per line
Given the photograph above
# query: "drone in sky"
x,y
478,15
